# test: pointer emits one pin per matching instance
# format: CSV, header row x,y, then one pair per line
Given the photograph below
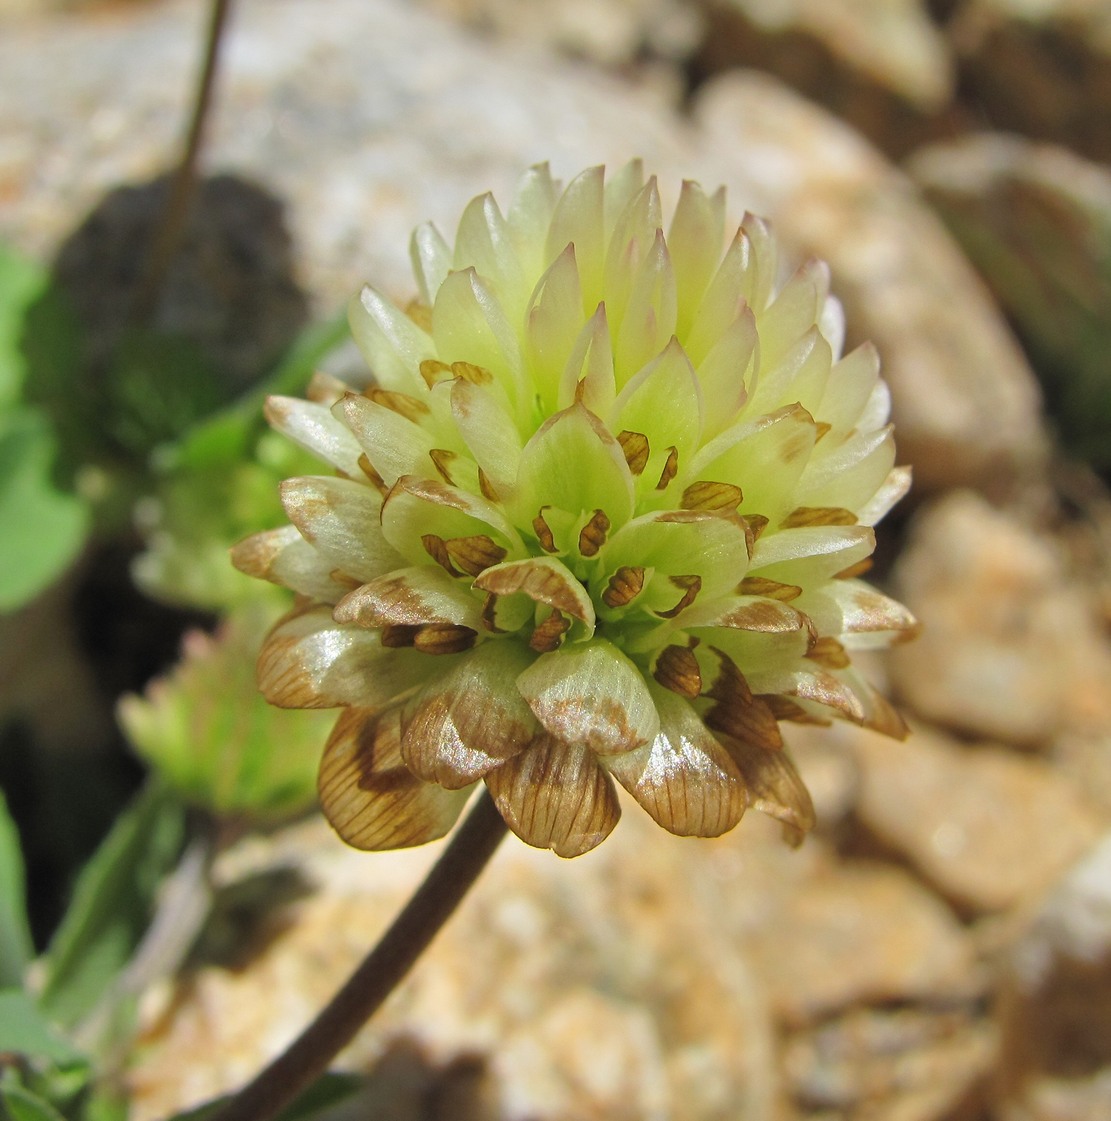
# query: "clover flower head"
x,y
599,516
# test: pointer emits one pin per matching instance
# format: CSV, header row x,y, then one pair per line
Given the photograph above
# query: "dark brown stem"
x,y
167,236
379,973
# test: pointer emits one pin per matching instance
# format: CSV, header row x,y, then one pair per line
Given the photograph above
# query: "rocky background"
x,y
941,948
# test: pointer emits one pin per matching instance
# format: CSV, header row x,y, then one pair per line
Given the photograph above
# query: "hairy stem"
x,y
379,973
167,236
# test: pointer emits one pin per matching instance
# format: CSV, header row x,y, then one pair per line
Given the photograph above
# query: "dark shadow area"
x,y
230,305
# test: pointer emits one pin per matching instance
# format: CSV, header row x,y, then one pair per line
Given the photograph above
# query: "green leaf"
x,y
20,283
112,903
24,1030
44,527
20,1104
16,948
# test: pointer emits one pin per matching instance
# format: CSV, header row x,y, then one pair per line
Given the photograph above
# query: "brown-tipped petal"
x,y
556,795
774,786
747,613
593,535
878,712
635,447
690,586
410,597
869,618
677,669
474,554
409,407
308,661
284,557
470,720
771,589
783,708
670,468
685,779
828,652
441,460
711,496
372,800
543,580
624,586
543,532
341,518
548,635
444,638
818,515
591,694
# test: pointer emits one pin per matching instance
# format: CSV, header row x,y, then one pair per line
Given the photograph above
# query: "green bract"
x,y
598,517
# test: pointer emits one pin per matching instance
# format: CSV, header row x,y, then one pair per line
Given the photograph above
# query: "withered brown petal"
x,y
774,786
556,795
307,661
738,713
372,800
685,779
467,722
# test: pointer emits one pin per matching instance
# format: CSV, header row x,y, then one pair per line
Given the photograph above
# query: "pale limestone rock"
x,y
902,1064
609,32
1035,219
988,827
1055,1011
894,44
612,986
1010,647
966,403
1039,67
861,932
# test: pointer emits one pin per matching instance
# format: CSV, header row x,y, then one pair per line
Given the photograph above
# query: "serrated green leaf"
x,y
44,527
16,948
112,903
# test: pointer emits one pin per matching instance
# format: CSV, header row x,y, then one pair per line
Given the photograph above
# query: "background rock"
x,y
1036,221
1011,647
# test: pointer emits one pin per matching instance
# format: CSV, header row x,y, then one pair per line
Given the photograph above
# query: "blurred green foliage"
x,y
153,447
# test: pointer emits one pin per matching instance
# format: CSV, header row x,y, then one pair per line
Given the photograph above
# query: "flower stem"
x,y
379,973
167,237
